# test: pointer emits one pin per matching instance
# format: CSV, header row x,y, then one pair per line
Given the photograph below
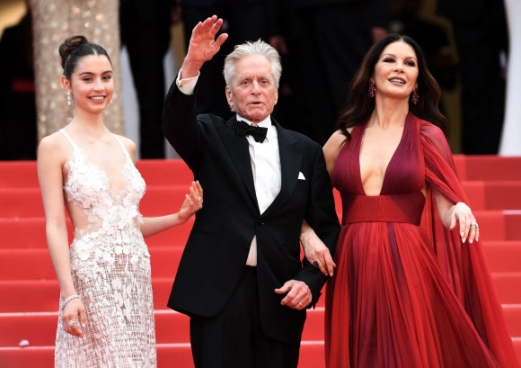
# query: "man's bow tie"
x,y
258,133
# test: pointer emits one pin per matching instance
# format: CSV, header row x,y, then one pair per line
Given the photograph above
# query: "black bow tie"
x,y
259,134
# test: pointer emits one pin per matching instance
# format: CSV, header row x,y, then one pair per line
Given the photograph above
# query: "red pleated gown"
x,y
407,293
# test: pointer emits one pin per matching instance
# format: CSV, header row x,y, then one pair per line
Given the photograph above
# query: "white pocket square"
x,y
301,176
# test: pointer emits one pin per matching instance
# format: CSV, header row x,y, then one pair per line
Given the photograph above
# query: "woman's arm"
x,y
50,176
451,214
192,203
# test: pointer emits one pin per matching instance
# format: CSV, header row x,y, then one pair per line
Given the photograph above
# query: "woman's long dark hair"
x,y
360,105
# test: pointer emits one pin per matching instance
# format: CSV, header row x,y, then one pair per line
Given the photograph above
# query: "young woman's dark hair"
x,y
73,49
360,105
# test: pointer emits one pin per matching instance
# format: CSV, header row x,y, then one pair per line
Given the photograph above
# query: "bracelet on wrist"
x,y
72,297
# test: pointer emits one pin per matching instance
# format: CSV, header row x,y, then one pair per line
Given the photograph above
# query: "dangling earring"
x,y
69,98
415,96
372,88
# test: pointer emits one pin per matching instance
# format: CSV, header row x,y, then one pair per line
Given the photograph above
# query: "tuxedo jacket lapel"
x,y
239,153
290,162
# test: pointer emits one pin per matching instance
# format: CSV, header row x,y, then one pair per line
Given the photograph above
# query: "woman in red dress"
x,y
412,288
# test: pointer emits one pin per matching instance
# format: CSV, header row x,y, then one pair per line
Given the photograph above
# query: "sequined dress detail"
x,y
110,269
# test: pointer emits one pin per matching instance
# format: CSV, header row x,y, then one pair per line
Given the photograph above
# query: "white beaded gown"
x,y
110,269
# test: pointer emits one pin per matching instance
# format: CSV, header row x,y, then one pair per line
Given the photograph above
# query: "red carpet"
x,y
29,290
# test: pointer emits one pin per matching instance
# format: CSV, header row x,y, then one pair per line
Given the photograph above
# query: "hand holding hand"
x,y
298,294
468,226
192,203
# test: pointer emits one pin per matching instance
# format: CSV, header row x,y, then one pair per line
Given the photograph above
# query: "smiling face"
x,y
252,93
91,84
396,71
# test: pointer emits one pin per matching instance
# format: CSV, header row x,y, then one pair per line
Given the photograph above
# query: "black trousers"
x,y
234,338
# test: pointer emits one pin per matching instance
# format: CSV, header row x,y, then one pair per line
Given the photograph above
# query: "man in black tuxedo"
x,y
241,279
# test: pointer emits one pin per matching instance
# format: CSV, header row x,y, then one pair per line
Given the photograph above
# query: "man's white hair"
x,y
247,48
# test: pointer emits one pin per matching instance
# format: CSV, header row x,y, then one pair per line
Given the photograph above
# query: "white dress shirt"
x,y
264,158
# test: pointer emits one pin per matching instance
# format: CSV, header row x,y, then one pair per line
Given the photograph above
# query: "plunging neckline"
x,y
102,173
359,170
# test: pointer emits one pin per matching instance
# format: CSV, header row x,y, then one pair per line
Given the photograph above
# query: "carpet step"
x,y
29,232
27,202
39,329
168,355
23,174
502,256
37,263
512,314
163,199
488,167
164,172
171,327
19,296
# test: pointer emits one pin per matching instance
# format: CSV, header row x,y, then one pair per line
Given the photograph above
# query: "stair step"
x,y
502,256
29,232
165,172
19,296
171,327
168,355
508,287
24,174
491,167
512,314
162,199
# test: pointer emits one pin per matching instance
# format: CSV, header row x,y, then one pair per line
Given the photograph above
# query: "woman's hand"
x,y
462,214
193,202
316,251
74,317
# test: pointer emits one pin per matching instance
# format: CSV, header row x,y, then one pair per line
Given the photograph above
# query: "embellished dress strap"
x,y
127,155
69,139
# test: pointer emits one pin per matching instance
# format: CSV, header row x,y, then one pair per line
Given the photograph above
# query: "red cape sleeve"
x,y
463,264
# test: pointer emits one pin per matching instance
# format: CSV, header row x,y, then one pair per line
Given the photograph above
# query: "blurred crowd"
x,y
321,43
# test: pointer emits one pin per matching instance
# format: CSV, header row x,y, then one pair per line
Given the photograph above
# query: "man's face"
x,y
252,93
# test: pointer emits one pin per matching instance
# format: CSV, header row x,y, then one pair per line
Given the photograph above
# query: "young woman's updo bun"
x,y
73,49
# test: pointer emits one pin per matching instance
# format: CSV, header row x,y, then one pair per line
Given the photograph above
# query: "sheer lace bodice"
x,y
110,266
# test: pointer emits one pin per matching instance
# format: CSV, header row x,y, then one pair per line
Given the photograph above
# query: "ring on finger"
x,y
300,303
474,224
71,323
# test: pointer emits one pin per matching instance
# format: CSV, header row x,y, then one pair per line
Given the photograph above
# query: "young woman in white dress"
x,y
106,308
